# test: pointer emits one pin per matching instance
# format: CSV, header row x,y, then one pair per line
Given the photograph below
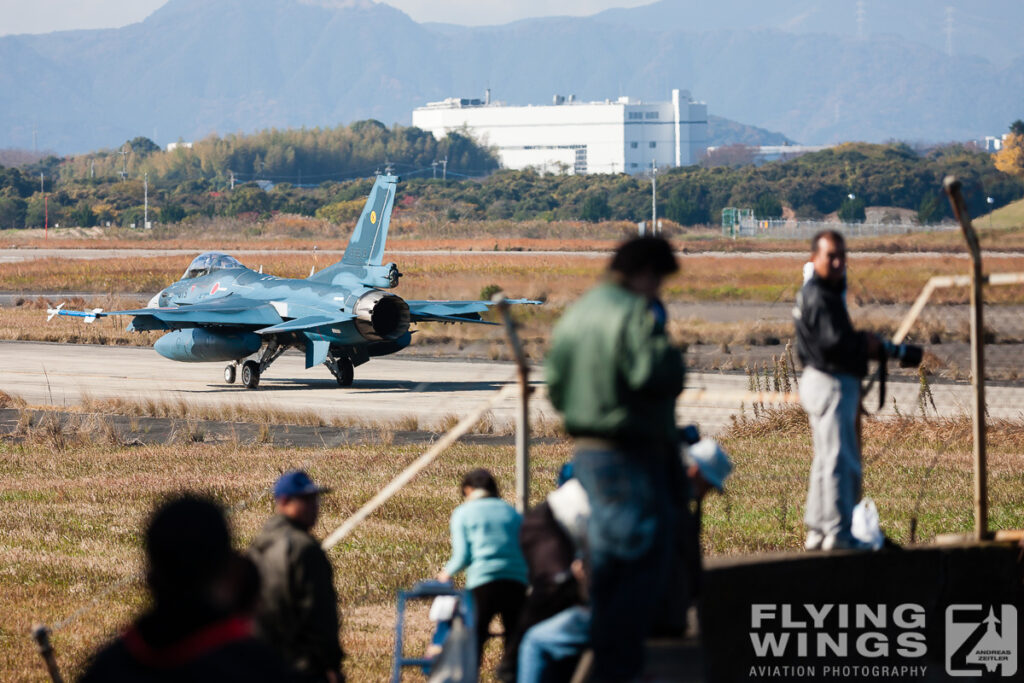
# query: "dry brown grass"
x,y
914,469
74,510
74,515
558,277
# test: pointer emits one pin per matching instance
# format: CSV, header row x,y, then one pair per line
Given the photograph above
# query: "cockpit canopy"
x,y
208,262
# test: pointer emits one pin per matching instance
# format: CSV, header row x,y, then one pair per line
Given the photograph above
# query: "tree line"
x,y
265,169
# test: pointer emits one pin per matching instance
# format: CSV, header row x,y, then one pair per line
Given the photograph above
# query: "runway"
x,y
385,389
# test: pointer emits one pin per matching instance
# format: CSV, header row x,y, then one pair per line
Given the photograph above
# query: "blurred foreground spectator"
x,y
614,375
198,628
298,613
485,542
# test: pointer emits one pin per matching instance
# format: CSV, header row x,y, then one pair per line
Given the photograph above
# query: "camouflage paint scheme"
x,y
340,317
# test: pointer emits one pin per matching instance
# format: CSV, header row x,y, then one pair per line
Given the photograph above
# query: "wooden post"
x,y
523,409
41,634
956,199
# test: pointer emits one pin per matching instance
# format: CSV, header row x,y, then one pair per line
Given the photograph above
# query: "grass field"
x,y
556,278
74,510
1003,230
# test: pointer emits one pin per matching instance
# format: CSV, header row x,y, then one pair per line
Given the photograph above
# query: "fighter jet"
x,y
340,317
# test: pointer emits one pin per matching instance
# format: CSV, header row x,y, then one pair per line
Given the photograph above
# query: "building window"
x,y
653,145
580,165
632,145
651,115
636,115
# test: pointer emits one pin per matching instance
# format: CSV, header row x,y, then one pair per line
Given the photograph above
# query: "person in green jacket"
x,y
485,542
614,375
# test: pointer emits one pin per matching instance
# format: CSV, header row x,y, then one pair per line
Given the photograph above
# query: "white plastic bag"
x,y
866,528
443,608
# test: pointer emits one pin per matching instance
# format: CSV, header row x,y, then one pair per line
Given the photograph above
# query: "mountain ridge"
x,y
193,68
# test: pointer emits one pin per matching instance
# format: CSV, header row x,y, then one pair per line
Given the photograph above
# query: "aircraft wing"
x,y
229,312
308,322
455,311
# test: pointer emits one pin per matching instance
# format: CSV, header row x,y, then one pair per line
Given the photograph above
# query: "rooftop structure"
x,y
613,136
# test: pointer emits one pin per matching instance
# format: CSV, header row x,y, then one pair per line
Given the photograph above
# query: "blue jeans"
x,y
630,535
551,648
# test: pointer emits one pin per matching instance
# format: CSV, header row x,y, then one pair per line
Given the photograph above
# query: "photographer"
x,y
835,359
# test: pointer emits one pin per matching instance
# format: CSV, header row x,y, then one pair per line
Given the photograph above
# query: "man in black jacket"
x,y
835,358
298,612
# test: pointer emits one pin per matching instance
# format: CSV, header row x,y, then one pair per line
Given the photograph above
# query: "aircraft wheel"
x,y
251,374
346,373
229,373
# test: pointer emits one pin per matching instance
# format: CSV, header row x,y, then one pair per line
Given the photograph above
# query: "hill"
x,y
196,67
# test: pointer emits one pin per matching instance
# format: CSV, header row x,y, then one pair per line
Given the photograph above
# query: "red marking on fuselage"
x,y
216,286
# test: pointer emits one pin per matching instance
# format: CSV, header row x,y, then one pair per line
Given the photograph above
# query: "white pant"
x,y
831,402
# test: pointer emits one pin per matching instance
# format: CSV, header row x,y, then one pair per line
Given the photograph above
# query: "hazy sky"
x,y
43,16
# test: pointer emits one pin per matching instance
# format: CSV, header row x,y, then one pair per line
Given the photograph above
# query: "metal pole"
x,y
145,191
956,199
654,196
523,409
41,634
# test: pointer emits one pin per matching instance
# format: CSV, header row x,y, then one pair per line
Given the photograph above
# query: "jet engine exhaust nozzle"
x,y
381,316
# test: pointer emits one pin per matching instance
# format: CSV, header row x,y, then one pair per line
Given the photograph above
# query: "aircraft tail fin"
x,y
366,246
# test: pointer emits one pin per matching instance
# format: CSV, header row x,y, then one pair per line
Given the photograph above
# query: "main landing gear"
x,y
342,369
251,374
251,369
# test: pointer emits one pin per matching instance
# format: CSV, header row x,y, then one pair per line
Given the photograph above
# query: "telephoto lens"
x,y
911,356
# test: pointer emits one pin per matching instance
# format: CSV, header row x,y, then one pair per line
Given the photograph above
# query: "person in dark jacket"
x,y
614,375
298,612
198,628
835,359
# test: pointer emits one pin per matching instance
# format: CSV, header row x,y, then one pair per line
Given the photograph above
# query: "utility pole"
x,y
654,197
41,188
145,200
444,168
434,166
124,163
92,168
232,179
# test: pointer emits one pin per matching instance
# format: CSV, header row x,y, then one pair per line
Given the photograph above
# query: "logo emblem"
x,y
373,217
981,640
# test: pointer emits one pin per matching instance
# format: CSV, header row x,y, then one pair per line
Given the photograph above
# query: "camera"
x,y
909,355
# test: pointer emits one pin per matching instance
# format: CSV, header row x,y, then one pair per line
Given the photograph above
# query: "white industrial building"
x,y
624,135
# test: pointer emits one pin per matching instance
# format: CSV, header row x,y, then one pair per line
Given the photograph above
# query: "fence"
x,y
748,226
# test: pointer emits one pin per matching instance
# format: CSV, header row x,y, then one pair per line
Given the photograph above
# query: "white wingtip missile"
x,y
54,311
92,318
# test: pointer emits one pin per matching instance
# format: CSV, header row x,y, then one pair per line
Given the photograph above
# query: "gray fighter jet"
x,y
340,317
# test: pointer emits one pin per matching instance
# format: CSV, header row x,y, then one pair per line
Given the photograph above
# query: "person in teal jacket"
x,y
485,543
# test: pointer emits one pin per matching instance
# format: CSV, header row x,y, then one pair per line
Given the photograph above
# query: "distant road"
x,y
19,255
